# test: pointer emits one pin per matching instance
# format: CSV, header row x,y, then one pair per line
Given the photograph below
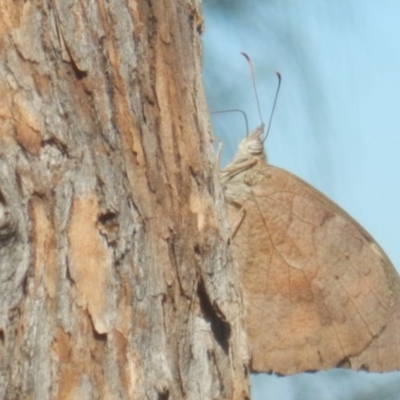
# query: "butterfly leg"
x,y
234,169
238,221
219,150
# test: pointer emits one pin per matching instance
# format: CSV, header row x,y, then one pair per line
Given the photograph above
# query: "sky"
x,y
336,125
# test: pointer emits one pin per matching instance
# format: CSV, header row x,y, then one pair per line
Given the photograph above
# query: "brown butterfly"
x,y
319,291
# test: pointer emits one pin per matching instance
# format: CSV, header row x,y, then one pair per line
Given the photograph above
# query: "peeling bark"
x,y
115,274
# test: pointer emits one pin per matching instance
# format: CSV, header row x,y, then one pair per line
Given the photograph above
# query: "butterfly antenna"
x,y
235,110
273,107
253,78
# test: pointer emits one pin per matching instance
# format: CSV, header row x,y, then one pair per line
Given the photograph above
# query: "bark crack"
x,y
220,328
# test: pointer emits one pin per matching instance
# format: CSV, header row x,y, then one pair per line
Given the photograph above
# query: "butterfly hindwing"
x,y
319,291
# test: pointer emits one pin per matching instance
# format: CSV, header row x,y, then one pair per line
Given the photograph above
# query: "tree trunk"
x,y
115,274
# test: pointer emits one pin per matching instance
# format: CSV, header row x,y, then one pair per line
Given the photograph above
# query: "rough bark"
x,y
115,275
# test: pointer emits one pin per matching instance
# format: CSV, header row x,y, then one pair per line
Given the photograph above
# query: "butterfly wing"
x,y
318,289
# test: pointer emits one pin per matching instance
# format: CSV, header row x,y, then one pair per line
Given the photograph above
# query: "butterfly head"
x,y
252,146
250,154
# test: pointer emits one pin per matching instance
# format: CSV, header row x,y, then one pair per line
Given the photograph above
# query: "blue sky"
x,y
337,122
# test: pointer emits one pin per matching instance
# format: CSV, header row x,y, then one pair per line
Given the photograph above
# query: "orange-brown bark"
x,y
116,280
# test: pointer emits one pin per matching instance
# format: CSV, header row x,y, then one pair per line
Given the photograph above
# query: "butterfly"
x,y
318,290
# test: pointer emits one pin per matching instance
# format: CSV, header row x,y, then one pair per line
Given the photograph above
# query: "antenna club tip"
x,y
245,55
278,74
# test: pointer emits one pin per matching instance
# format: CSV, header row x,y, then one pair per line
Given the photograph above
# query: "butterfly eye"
x,y
255,147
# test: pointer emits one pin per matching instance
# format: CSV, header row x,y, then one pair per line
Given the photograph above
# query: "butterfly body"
x,y
319,292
